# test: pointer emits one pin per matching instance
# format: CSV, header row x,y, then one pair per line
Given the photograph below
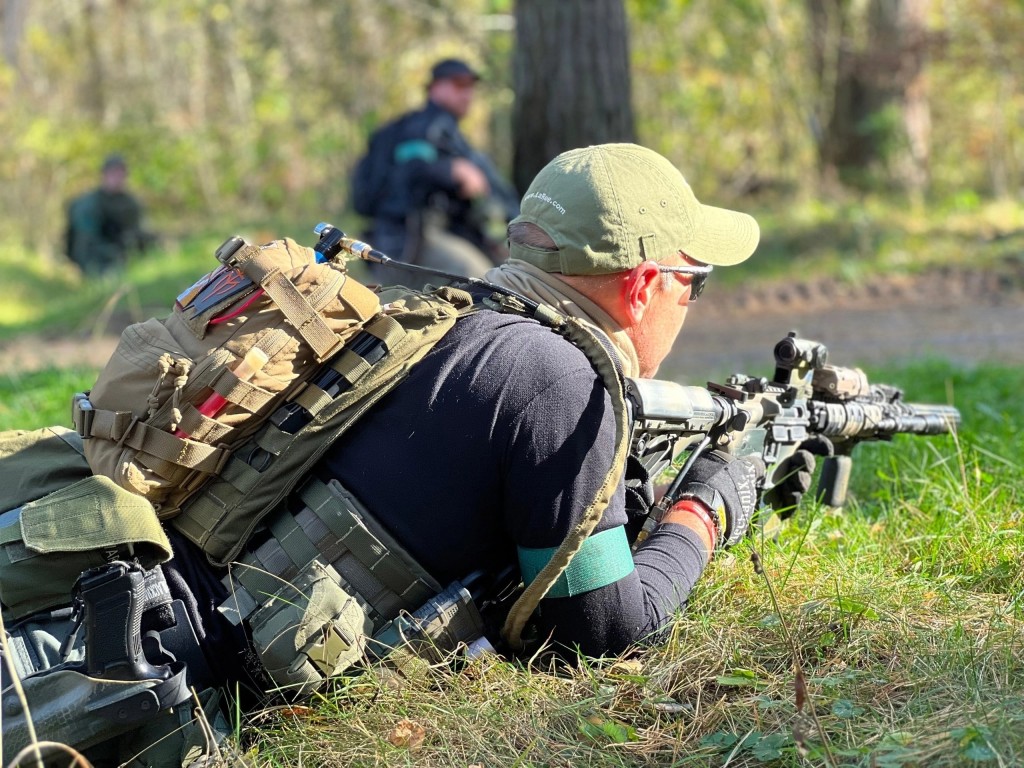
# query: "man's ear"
x,y
638,290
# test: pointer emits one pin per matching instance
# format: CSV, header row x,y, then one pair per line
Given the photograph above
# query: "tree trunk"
x,y
12,24
571,78
873,107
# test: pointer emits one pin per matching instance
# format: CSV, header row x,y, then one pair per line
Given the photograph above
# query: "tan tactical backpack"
x,y
179,393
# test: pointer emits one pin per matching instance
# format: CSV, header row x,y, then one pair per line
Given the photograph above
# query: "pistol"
x,y
111,598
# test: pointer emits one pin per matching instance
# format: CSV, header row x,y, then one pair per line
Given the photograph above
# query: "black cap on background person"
x,y
453,69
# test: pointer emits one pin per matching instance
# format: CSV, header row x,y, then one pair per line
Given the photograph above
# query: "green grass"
x,y
856,239
41,398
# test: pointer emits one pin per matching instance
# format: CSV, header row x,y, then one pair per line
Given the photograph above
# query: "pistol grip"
x,y
834,481
113,603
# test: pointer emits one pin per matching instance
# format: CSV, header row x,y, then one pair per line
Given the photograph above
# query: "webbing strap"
x,y
301,314
203,428
174,450
244,394
108,425
264,571
293,539
351,366
353,533
381,602
387,329
239,605
313,399
262,266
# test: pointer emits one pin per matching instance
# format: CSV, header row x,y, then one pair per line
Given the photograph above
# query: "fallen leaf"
x,y
627,667
407,734
800,689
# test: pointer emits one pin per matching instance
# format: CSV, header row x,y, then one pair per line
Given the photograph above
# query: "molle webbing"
x,y
264,470
333,527
353,364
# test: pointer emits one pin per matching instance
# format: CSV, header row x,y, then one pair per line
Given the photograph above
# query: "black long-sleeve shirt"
x,y
498,441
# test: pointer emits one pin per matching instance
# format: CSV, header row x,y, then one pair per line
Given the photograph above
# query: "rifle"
x,y
806,403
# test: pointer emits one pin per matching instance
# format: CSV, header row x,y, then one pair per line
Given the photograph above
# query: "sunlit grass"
x,y
856,239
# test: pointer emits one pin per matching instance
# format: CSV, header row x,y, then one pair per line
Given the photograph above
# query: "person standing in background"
x,y
429,192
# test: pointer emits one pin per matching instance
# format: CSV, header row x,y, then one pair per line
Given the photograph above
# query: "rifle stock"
x,y
807,403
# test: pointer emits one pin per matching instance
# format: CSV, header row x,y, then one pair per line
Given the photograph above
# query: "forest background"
x,y
256,111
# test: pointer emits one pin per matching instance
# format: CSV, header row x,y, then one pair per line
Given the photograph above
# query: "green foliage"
x,y
40,399
257,111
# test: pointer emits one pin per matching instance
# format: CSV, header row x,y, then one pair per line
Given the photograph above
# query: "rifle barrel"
x,y
861,420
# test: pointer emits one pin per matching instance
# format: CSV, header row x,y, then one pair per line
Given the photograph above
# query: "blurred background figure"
x,y
105,225
433,198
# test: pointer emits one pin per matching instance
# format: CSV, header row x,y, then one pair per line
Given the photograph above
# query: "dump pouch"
x,y
46,544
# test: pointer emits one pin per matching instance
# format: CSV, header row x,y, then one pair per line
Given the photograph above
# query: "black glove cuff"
x,y
711,499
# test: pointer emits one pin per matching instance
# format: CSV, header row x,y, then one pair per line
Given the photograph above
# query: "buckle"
x,y
82,414
225,253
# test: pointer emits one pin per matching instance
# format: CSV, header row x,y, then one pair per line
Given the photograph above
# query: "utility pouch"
x,y
309,630
46,544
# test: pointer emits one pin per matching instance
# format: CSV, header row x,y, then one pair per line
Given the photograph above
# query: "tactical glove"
x,y
797,473
729,487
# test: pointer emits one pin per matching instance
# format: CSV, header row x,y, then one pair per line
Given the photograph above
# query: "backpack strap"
x,y
263,268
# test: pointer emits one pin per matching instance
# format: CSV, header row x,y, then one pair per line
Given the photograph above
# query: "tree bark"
x,y
571,78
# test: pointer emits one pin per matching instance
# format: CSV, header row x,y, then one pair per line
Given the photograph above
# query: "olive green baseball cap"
x,y
612,206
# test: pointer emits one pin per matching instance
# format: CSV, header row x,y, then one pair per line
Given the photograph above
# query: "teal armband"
x,y
418,149
603,559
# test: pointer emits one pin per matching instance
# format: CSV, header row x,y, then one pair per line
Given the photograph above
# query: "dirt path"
x,y
966,318
959,315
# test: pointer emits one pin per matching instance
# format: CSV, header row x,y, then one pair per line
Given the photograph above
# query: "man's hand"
x,y
470,179
728,486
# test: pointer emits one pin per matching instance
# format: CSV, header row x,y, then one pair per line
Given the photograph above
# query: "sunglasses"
x,y
698,276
